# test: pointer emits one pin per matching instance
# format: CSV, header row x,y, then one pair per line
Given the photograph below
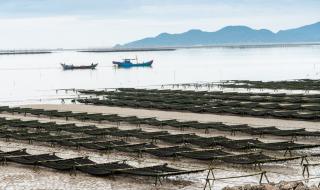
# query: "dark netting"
x,y
156,171
308,133
184,124
155,122
29,136
269,105
74,141
7,134
66,164
50,126
100,131
129,119
211,125
103,145
290,106
314,155
284,146
204,154
168,122
56,113
111,118
152,121
292,132
254,104
34,136
179,138
124,133
86,116
150,135
88,142
208,142
92,145
312,107
76,129
168,151
4,108
280,132
253,158
283,114
53,138
233,127
261,130
306,115
78,115
32,159
135,147
103,169
37,111
24,124
21,152
240,144
141,120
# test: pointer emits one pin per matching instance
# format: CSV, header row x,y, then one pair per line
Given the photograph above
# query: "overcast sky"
x,y
104,23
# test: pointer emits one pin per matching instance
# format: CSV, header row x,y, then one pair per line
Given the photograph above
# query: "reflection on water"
x,y
37,76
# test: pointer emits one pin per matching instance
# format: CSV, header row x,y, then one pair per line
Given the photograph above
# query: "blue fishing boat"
x,y
127,63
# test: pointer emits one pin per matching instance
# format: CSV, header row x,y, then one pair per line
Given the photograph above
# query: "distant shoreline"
x,y
133,49
126,50
23,52
237,45
173,48
252,45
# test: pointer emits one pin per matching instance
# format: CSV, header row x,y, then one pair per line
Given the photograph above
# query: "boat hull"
x,y
72,67
128,65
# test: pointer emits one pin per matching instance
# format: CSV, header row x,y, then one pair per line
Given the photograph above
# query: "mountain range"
x,y
230,35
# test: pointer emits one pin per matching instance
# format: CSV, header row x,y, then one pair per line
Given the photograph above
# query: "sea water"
x,y
35,78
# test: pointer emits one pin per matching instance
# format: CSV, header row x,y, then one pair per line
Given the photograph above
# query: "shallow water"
x,y
31,78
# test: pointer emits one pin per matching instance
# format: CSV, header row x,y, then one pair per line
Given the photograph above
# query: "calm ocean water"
x,y
31,78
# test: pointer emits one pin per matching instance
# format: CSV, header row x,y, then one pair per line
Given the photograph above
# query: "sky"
x,y
35,24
